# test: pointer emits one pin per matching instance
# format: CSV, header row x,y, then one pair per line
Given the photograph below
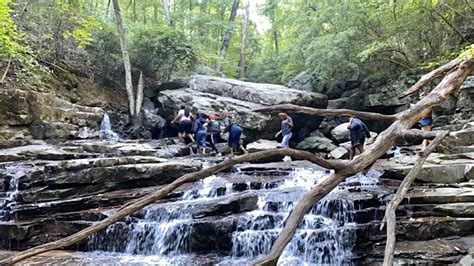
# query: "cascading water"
x,y
106,132
165,231
8,201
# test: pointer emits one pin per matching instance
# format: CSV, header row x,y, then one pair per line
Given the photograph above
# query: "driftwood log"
x,y
400,195
402,121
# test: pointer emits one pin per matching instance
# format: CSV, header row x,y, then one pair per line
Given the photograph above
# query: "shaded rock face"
x,y
28,114
210,95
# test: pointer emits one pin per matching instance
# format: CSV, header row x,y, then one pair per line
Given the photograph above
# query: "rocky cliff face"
x,y
209,95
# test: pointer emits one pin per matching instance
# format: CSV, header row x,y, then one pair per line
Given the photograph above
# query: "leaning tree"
x,y
455,72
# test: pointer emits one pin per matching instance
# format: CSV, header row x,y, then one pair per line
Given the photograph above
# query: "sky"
x,y
262,22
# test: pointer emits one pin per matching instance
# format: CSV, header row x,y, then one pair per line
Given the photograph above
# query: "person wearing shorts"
x,y
235,132
358,131
185,126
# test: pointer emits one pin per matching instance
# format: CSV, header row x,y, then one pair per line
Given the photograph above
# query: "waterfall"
x,y
8,202
167,230
106,132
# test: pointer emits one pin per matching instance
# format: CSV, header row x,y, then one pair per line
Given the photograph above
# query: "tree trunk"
x,y
400,195
166,9
139,95
144,11
228,34
275,40
244,44
125,57
134,10
155,11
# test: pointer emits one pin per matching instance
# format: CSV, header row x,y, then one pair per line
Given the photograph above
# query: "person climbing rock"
x,y
426,122
185,127
286,132
200,133
358,131
235,133
214,132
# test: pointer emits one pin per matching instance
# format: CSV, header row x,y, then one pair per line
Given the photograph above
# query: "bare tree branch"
x,y
291,108
442,70
400,195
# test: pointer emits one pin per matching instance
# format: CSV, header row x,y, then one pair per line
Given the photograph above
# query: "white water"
x,y
106,132
162,232
8,202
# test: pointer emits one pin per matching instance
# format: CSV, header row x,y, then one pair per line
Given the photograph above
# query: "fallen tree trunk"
x,y
400,195
405,120
140,203
291,108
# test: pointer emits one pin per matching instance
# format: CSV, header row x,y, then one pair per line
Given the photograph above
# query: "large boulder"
x,y
213,95
341,133
316,143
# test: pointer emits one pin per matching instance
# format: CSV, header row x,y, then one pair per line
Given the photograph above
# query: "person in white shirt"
x,y
185,128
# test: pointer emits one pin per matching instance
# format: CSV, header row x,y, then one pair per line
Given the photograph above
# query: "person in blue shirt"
x,y
358,131
200,132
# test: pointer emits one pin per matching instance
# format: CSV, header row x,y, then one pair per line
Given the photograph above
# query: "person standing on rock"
x,y
235,132
214,132
358,131
185,127
200,133
286,132
426,122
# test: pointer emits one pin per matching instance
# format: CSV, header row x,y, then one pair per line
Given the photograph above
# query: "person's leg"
x,y
351,153
180,137
243,149
190,136
285,142
214,142
425,141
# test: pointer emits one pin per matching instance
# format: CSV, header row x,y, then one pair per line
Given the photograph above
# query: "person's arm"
x,y
178,116
289,121
277,134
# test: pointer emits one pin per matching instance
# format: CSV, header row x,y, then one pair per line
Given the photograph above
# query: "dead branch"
x,y
400,195
6,71
417,134
291,108
142,202
430,76
405,120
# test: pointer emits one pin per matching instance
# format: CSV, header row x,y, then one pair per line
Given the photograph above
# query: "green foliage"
x,y
161,53
10,46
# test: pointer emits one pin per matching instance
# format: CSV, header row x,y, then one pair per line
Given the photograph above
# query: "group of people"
x,y
199,130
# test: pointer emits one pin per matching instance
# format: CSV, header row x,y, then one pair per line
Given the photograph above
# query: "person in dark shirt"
x,y
426,122
358,131
235,132
200,133
214,132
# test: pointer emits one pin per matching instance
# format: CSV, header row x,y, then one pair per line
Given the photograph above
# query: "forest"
x,y
277,40
237,132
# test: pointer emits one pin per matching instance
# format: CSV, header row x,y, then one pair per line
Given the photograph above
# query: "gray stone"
x,y
339,153
341,133
211,95
262,145
316,143
306,82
